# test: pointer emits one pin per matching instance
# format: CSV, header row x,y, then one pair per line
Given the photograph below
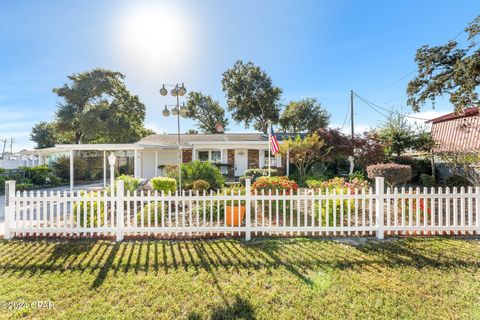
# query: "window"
x,y
203,155
216,156
212,156
272,159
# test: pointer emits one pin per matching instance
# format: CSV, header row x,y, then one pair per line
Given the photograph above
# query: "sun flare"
x,y
153,35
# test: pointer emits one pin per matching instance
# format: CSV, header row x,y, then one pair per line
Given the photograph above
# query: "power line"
x,y
374,106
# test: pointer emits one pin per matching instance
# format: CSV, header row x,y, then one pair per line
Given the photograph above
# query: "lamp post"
x,y
177,91
111,161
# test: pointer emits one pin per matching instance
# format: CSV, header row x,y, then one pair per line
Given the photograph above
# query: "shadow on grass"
x,y
239,309
299,257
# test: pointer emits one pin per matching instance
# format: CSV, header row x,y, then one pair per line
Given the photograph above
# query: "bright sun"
x,y
153,35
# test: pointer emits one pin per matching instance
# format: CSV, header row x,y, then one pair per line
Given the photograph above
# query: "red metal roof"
x,y
456,115
457,132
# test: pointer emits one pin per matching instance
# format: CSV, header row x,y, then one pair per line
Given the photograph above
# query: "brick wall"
x,y
186,155
252,159
231,162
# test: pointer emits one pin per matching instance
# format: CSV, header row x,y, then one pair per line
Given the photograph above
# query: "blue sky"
x,y
317,49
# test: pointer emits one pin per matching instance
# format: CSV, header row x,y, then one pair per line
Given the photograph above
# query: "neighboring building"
x,y
233,152
457,132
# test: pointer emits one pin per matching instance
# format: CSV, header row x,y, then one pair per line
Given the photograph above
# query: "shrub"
x,y
198,170
427,180
62,168
164,184
275,183
23,186
359,175
254,174
40,175
419,166
457,181
91,213
339,183
149,212
200,185
130,183
393,173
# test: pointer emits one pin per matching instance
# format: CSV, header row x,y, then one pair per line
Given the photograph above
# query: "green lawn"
x,y
436,278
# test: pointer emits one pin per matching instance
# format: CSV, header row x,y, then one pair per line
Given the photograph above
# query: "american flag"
x,y
273,142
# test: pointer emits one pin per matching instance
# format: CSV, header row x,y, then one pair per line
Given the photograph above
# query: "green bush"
x,y
80,207
164,184
130,183
427,180
150,208
40,175
359,175
200,186
254,174
62,168
198,170
24,186
419,166
457,181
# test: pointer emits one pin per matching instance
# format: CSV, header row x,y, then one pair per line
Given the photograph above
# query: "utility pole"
x,y
11,146
352,115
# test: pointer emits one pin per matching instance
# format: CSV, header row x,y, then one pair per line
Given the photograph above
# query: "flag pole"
x,y
269,145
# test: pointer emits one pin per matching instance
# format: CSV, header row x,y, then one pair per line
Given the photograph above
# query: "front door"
x,y
241,161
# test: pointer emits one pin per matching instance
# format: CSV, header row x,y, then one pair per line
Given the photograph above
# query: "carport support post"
x,y
104,168
379,199
9,207
120,210
248,214
71,171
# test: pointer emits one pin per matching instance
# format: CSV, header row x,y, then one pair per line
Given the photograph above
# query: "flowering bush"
x,y
275,183
338,183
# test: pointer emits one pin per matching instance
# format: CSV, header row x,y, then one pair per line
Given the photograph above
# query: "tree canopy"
x,y
448,69
96,107
251,95
208,113
304,152
306,115
44,134
398,135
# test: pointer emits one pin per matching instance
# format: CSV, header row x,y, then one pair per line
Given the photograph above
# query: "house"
x,y
456,132
233,152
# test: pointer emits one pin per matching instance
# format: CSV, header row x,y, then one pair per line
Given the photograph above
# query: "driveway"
x,y
63,188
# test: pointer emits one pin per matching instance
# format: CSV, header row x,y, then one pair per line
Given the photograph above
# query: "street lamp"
x,y
177,91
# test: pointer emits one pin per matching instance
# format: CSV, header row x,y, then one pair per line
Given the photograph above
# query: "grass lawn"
x,y
422,278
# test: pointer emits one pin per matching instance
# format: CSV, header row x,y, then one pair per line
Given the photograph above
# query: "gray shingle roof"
x,y
186,139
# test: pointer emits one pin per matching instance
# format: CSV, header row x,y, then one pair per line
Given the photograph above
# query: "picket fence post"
x,y
248,214
379,213
119,194
9,208
477,206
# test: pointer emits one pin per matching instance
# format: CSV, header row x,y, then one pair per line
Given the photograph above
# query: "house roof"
x,y
469,112
456,132
170,140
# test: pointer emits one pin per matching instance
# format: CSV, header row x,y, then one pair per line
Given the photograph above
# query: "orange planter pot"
x,y
235,213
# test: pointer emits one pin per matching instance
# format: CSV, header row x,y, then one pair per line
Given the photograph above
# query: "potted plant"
x,y
235,209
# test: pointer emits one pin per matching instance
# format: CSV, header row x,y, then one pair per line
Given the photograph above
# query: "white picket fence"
x,y
306,212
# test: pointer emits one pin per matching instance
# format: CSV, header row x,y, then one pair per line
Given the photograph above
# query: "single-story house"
x,y
233,152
